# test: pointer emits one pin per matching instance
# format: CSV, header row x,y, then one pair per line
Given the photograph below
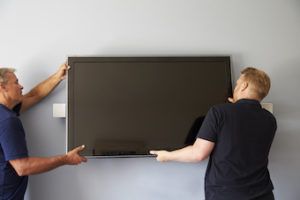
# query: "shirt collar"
x,y
9,110
248,101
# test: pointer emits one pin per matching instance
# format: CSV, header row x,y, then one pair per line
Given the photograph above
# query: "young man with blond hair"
x,y
237,138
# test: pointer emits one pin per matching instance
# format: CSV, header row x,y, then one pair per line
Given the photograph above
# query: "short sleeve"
x,y
210,126
12,139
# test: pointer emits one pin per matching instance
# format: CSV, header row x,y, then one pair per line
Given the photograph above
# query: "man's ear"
x,y
244,86
2,87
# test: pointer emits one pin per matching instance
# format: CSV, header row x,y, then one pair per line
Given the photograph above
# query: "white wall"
x,y
37,36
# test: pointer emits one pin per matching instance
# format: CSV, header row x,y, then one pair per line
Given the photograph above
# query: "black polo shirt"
x,y
243,133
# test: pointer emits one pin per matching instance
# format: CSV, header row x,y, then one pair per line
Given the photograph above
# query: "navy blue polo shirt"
x,y
243,133
12,146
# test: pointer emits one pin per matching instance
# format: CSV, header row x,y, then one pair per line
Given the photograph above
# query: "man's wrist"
x,y
57,76
63,159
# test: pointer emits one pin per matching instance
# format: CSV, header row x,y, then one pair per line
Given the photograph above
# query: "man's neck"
x,y
248,97
6,103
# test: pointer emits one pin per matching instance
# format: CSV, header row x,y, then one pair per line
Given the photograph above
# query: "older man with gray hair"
x,y
15,163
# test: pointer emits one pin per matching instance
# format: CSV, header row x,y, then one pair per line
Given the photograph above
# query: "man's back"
x,y
243,133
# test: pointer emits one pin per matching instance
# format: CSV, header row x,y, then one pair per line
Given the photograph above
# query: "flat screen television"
x,y
126,106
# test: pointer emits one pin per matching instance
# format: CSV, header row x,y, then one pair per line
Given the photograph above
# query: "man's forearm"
x,y
43,89
35,165
186,154
197,152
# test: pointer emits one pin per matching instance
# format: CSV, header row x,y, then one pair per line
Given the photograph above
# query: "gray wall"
x,y
36,36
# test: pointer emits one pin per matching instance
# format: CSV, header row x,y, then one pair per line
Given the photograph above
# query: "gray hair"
x,y
3,71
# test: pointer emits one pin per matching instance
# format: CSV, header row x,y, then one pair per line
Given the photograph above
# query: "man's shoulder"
x,y
5,113
220,110
270,116
223,107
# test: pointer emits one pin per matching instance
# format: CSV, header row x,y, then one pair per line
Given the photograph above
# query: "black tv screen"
x,y
126,106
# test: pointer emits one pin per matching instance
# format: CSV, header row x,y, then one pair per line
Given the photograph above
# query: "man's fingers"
x,y
230,99
153,152
80,148
83,159
66,66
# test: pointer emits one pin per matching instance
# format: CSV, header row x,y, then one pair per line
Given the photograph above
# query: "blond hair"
x,y
3,71
259,80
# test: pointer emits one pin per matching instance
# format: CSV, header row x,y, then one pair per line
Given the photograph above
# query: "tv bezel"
x,y
70,91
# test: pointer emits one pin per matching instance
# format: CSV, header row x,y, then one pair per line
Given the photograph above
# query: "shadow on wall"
x,y
285,98
65,176
285,82
284,155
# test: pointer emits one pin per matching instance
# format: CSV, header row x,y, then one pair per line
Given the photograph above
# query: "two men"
x,y
237,138
15,164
